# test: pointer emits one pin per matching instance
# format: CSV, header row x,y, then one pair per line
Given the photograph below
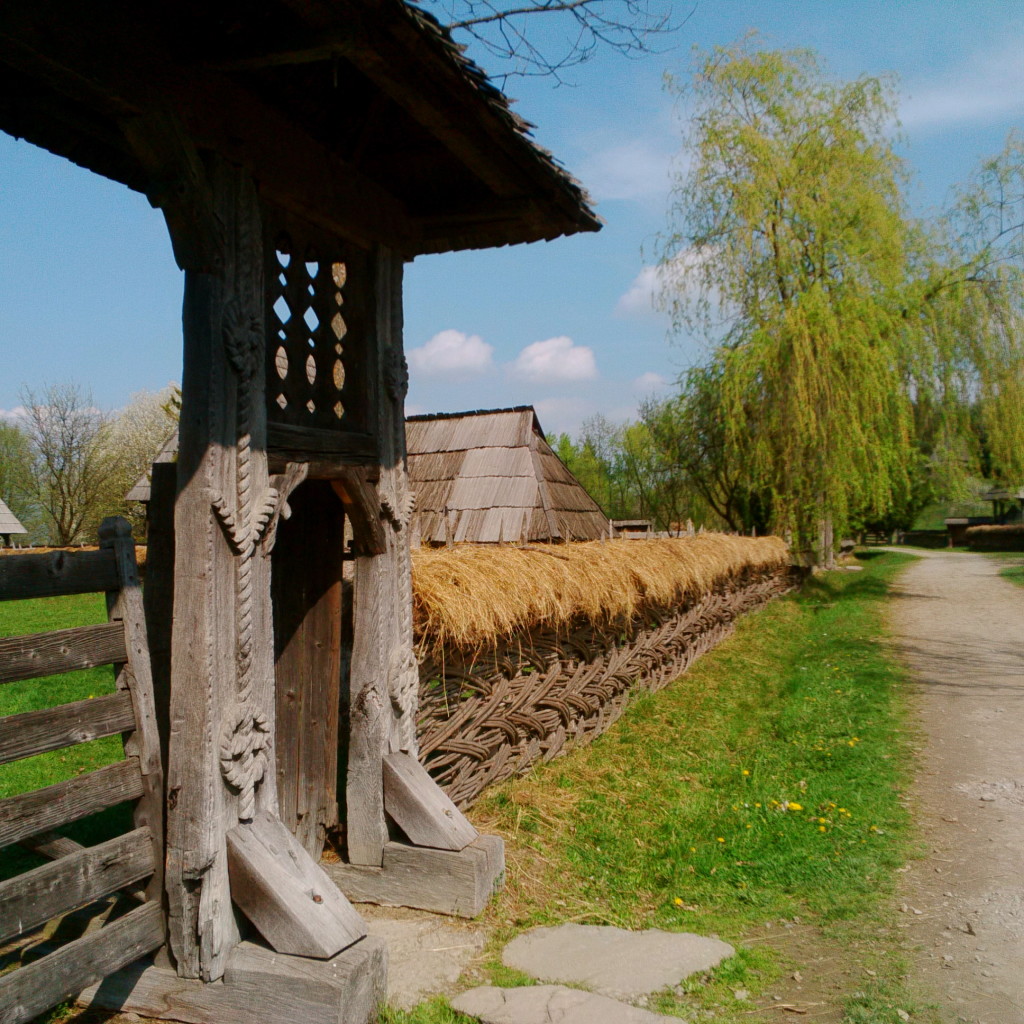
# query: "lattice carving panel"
x,y
310,342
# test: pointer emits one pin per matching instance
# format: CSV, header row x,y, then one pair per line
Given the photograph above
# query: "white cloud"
x,y
15,415
556,359
638,169
641,296
452,351
986,87
648,382
639,299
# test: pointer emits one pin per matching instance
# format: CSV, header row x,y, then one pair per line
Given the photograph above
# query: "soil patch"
x,y
959,627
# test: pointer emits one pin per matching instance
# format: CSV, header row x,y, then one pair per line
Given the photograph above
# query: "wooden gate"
x,y
80,875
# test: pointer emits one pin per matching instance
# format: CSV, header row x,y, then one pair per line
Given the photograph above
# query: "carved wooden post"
x,y
384,676
222,660
397,503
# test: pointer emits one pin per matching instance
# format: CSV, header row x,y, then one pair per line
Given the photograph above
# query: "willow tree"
x,y
971,318
789,250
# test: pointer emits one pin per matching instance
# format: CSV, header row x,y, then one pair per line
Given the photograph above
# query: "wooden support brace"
x,y
420,808
289,898
441,881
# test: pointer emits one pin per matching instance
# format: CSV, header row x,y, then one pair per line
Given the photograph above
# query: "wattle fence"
x,y
492,712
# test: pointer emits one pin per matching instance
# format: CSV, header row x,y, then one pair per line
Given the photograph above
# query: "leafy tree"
x,y
71,467
790,251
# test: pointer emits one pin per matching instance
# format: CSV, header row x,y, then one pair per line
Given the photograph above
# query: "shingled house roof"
x,y
9,521
489,476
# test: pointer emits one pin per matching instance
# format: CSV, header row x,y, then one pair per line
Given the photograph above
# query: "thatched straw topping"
x,y
471,595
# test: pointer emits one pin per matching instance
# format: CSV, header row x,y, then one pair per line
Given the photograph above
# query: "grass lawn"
x,y
758,798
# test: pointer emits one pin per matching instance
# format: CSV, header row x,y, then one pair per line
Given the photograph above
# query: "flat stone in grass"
x,y
613,961
549,1004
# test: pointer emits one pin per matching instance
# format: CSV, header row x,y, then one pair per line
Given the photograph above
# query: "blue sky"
x,y
89,291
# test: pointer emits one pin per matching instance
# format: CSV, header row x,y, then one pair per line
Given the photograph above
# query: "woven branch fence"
x,y
491,713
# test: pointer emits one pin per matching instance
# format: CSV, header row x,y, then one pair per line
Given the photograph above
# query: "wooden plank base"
x,y
259,987
286,894
446,882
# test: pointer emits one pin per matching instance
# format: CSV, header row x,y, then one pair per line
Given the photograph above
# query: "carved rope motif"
x,y
245,521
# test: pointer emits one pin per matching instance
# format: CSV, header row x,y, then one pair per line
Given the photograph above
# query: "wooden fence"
x,y
488,714
79,875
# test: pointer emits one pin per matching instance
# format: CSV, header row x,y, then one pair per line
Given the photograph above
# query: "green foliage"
x,y
861,364
790,253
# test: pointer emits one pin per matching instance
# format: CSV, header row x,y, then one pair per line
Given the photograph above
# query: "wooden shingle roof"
x,y
362,117
9,521
490,477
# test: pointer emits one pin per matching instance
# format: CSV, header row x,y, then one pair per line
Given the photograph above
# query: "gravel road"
x,y
959,628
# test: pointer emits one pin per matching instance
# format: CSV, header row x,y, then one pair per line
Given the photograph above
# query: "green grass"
x,y
36,616
765,786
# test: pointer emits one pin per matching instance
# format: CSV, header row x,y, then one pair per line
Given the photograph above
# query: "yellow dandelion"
x,y
746,771
821,828
719,840
678,902
796,807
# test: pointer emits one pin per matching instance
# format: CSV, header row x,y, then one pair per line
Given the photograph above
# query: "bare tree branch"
x,y
507,31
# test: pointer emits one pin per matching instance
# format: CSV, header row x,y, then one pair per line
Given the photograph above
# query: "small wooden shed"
x,y
301,151
490,477
9,524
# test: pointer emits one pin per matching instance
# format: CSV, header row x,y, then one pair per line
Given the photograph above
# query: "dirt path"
x,y
961,630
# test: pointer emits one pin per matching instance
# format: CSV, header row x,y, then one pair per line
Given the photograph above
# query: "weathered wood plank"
x,y
366,827
36,987
306,578
56,573
36,732
286,894
73,881
441,881
259,987
42,809
55,846
61,650
124,606
420,808
297,444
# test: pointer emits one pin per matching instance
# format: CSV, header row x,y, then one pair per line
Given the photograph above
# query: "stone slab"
x,y
549,1004
259,987
426,953
613,961
443,881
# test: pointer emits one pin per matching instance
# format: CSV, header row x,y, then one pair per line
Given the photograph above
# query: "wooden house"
x,y
301,151
490,477
9,525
